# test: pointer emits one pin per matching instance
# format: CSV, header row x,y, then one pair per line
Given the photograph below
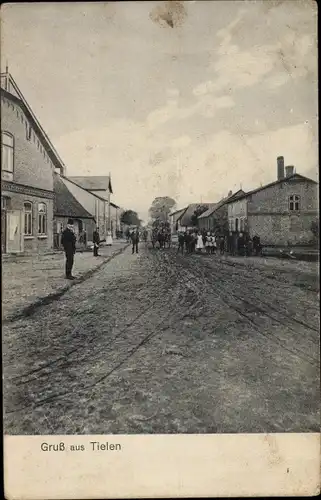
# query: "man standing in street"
x,y
181,242
68,241
135,240
96,241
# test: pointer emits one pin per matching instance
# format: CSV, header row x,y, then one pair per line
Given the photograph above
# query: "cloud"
x,y
162,115
181,142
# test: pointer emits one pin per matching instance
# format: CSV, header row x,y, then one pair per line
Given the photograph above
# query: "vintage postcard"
x,y
160,249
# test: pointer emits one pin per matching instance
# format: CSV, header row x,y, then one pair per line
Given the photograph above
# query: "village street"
x,y
163,343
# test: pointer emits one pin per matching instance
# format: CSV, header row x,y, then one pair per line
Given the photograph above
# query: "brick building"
x,y
216,216
28,161
280,213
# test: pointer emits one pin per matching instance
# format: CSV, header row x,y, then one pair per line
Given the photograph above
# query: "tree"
x,y
130,218
197,212
161,208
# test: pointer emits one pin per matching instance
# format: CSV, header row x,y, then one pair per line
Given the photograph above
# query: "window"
x,y
5,203
294,203
42,218
7,149
236,224
28,218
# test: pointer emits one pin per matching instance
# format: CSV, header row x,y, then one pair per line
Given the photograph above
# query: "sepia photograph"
x,y
159,218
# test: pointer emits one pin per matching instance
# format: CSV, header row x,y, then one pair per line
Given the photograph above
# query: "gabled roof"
x,y
179,212
10,90
93,182
218,205
294,177
65,204
186,218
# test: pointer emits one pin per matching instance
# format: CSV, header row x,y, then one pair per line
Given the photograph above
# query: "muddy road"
x,y
163,343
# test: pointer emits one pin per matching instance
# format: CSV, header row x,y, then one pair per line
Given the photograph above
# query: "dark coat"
x,y
68,240
135,237
96,237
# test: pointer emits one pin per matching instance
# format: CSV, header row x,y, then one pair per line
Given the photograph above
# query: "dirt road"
x,y
163,343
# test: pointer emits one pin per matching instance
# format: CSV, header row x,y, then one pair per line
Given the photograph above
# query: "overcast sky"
x,y
186,99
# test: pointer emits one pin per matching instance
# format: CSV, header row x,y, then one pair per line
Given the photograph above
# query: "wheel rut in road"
x,y
159,343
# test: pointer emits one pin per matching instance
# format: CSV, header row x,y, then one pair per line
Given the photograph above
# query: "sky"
x,y
183,99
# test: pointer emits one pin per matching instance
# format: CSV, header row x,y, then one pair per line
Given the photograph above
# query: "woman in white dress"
x,y
109,239
199,244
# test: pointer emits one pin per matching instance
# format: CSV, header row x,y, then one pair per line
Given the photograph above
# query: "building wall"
x,y
32,165
215,221
94,205
32,168
275,199
173,222
33,243
237,210
267,213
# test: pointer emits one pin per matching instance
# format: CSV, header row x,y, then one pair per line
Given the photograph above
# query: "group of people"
x,y
233,243
192,241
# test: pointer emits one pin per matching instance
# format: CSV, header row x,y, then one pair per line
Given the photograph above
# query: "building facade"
x,y
101,188
67,207
174,219
28,162
215,219
280,213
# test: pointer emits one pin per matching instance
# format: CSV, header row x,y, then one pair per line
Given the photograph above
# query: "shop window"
x,y
7,152
294,203
28,218
42,219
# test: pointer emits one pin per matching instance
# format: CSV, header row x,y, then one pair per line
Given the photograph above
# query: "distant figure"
x,y
249,247
208,243
257,248
181,241
109,239
68,241
135,240
193,241
187,240
199,243
241,245
128,234
222,244
96,240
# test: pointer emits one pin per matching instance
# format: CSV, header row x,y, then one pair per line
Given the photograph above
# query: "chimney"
x,y
289,170
230,193
280,162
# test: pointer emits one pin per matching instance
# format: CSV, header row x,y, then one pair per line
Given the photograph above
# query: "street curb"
x,y
52,297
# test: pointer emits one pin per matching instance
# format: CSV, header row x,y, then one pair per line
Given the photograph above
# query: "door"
x,y
14,236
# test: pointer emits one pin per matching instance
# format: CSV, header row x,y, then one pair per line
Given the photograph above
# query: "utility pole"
x,y
109,218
